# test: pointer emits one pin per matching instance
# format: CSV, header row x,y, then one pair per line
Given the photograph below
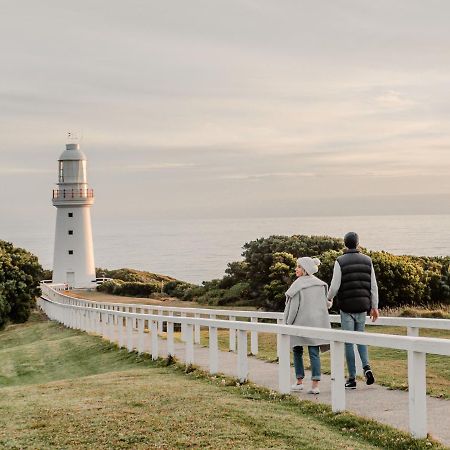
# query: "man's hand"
x,y
374,314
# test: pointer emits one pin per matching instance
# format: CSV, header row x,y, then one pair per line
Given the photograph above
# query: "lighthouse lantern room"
x,y
73,261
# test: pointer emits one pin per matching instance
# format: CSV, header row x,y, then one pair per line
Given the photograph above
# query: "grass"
x,y
66,389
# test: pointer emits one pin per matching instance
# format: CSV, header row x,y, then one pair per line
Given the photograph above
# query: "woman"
x,y
307,305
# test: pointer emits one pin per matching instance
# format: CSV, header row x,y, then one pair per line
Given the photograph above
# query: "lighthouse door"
x,y
70,277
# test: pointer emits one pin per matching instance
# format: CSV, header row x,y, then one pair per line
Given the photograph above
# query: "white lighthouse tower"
x,y
73,261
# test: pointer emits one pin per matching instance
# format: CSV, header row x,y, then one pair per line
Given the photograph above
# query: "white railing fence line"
x,y
118,325
412,324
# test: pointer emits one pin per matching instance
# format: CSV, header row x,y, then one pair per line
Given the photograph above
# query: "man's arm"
x,y
335,282
374,296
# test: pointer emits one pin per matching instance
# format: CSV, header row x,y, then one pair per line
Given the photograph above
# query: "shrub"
x,y
129,288
177,289
235,294
269,265
20,273
133,275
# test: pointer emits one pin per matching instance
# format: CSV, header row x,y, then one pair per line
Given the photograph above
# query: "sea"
x,y
197,250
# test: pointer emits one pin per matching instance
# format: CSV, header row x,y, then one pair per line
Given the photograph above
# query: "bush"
x,y
269,268
132,275
129,288
179,289
20,273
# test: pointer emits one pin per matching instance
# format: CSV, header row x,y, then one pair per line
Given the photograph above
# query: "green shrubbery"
x,y
136,283
20,273
267,270
269,263
132,275
129,288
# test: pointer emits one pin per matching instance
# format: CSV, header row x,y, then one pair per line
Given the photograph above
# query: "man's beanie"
x,y
351,240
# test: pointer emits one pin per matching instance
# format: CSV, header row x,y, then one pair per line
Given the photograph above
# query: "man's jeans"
x,y
314,358
354,322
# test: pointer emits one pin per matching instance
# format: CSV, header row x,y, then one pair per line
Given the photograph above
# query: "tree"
x,y
20,273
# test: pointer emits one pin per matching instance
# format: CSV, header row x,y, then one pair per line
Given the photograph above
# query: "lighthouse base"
x,y
73,261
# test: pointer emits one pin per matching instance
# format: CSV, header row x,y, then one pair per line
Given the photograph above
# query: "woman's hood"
x,y
303,283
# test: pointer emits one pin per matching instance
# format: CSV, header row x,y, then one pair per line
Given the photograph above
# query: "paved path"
x,y
374,402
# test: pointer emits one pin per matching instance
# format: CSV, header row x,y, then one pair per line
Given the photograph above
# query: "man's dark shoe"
x,y
350,384
370,379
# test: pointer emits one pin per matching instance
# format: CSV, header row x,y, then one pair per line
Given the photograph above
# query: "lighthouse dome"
x,y
72,153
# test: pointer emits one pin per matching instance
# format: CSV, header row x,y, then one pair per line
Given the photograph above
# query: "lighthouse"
x,y
73,261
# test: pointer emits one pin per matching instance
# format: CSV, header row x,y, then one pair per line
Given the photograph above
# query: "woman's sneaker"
x,y
350,384
315,391
297,387
370,379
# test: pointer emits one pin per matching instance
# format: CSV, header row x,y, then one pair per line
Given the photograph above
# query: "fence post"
x,y
279,322
170,342
417,389
141,336
85,320
129,323
183,328
337,376
160,322
242,356
91,321
232,336
154,331
213,351
189,334
254,339
284,364
98,324
120,330
110,327
104,325
197,330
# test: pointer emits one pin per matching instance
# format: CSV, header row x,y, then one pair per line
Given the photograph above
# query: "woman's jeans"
x,y
354,322
314,358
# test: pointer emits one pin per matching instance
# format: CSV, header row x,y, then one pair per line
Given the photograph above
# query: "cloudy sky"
x,y
212,108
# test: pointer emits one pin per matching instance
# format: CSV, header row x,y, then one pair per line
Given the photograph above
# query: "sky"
x,y
228,108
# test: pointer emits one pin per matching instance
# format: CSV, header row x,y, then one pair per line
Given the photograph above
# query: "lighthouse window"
x,y
70,214
70,252
71,232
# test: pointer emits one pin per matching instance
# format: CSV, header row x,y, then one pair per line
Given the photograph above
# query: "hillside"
x,y
65,389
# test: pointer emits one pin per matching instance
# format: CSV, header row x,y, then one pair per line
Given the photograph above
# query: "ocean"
x,y
199,249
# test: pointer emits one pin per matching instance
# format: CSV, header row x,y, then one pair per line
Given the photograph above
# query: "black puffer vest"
x,y
354,294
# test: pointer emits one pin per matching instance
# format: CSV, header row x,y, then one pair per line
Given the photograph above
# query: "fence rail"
x,y
115,324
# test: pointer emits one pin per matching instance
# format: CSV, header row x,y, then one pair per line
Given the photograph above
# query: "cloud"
x,y
23,171
259,176
155,167
394,101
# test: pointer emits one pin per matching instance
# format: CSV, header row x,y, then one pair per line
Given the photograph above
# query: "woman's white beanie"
x,y
310,265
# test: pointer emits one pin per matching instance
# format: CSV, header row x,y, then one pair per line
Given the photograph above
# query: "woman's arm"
x,y
292,311
286,309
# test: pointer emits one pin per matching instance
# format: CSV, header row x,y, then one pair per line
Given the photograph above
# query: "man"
x,y
356,288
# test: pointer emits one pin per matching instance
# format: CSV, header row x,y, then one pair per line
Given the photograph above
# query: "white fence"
x,y
113,320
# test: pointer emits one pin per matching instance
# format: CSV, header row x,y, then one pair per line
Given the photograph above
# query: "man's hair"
x,y
351,240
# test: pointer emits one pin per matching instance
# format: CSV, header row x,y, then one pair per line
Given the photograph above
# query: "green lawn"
x,y
66,389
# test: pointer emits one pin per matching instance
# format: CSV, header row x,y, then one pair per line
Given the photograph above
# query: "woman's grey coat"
x,y
307,305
